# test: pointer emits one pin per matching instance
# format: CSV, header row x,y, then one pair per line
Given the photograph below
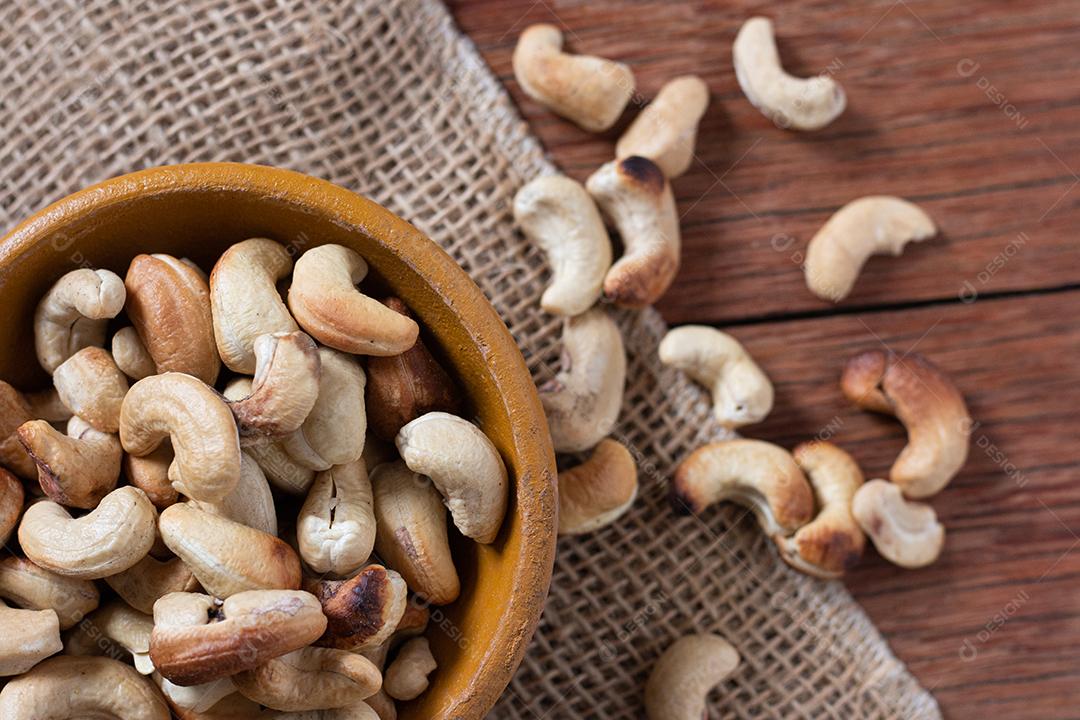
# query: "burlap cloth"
x,y
390,100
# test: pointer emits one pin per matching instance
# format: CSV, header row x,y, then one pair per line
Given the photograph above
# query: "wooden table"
x,y
973,111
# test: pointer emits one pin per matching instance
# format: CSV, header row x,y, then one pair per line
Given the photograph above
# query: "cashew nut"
x,y
832,542
590,91
237,707
741,392
143,583
92,387
109,539
312,678
168,302
284,390
334,431
150,473
872,225
637,198
410,532
598,491
556,213
280,469
130,355
363,611
35,588
926,401
11,504
26,638
250,503
759,475
245,299
200,425
325,301
14,411
73,314
82,687
666,130
197,638
128,628
407,676
789,101
683,676
583,401
197,698
465,468
77,469
905,533
335,531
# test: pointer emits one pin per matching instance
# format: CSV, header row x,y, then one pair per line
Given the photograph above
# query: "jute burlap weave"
x,y
388,99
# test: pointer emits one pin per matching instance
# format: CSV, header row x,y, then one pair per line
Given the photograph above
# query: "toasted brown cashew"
x,y
363,611
245,299
11,504
324,299
73,314
35,588
905,533
106,690
927,402
77,469
150,473
333,432
280,469
407,676
109,539
14,411
143,583
410,532
598,491
130,355
284,390
92,387
686,672
583,401
335,531
250,503
312,678
759,475
197,639
666,129
636,196
128,628
591,91
200,425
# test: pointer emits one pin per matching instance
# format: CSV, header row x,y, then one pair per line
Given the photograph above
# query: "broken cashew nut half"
x,y
588,90
73,314
312,678
873,225
363,611
684,675
597,492
76,469
335,531
407,676
92,387
284,390
82,687
789,101
666,130
905,533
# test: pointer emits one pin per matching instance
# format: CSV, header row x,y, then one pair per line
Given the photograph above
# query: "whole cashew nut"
x,y
11,504
250,503
77,469
873,225
666,130
598,491
465,468
929,405
92,387
636,196
26,638
130,355
73,314
284,389
363,611
588,90
905,533
14,412
583,401
28,586
683,676
407,676
273,459
128,628
789,101
558,215
312,678
324,300
741,391
335,531
333,432
143,583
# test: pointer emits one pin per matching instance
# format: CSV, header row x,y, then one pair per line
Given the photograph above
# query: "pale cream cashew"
x,y
333,432
198,422
583,401
312,678
666,130
597,492
280,469
556,213
407,676
250,503
82,687
47,405
905,533
284,389
226,556
143,583
325,301
150,473
410,532
758,475
198,639
130,355
335,531
196,698
684,675
590,91
465,467
109,539
922,397
73,314
129,629
245,299
872,225
637,198
741,391
789,101
92,387
28,586
12,497
76,469
26,638
363,611
14,411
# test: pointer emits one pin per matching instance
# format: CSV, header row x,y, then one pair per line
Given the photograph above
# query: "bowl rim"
x,y
537,507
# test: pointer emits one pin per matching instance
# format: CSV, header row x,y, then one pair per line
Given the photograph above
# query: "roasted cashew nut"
x,y
129,629
556,213
250,503
741,391
789,101
465,468
335,531
200,425
92,387
598,491
325,301
407,676
143,583
76,469
11,504
106,689
683,676
28,586
666,130
273,459
583,401
873,225
588,90
312,678
26,638
284,390
637,198
905,533
929,405
73,314
363,611
150,473
130,355
333,432
14,412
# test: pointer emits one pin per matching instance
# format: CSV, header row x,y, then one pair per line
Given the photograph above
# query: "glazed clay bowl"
x,y
197,211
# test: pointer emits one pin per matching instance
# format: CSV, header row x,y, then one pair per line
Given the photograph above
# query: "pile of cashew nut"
x,y
193,525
